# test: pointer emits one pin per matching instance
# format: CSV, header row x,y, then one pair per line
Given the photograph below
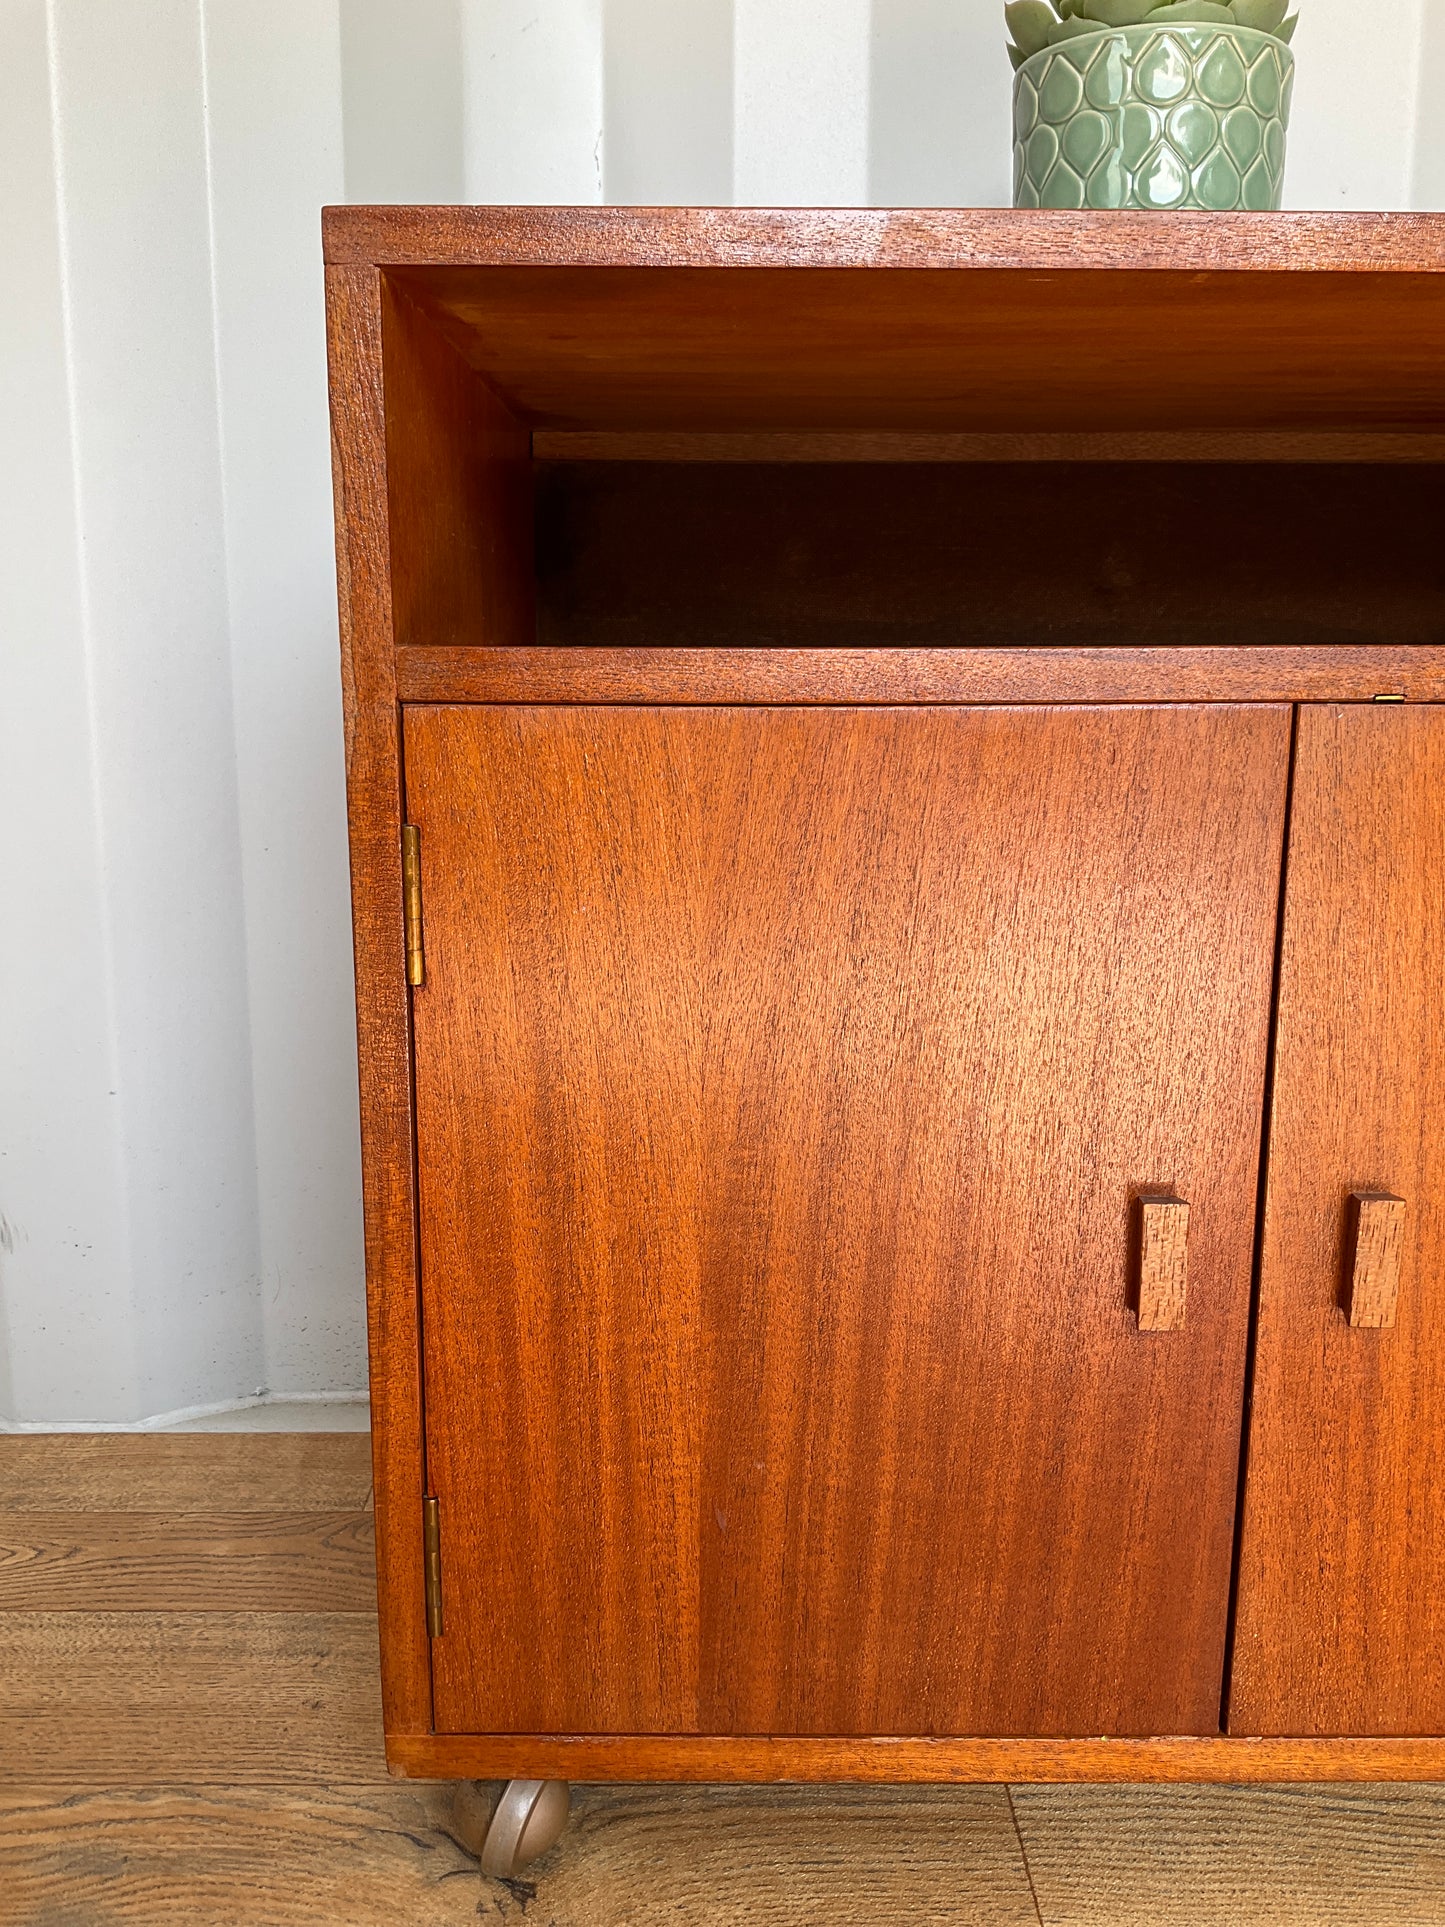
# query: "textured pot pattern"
x,y
1153,117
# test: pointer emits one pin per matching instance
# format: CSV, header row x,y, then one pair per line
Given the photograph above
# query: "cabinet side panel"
x,y
1341,1617
459,492
373,786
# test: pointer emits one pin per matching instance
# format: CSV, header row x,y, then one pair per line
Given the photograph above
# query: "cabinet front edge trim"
x,y
1275,673
702,1757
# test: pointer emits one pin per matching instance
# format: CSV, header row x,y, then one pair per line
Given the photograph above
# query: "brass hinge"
x,y
431,1535
411,902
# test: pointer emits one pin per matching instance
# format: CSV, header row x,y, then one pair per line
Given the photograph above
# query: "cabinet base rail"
x,y
702,1757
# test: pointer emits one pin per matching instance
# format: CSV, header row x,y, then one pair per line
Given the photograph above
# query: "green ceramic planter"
x,y
1153,117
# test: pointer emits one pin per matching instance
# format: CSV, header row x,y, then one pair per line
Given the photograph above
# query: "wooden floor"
x,y
189,1734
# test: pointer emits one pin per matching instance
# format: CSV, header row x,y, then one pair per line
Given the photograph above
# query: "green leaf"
x,y
1186,10
1263,15
1030,23
1286,32
1017,56
1117,13
1071,29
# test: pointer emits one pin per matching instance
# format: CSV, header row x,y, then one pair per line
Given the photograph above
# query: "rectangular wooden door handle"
x,y
1163,1263
1376,1234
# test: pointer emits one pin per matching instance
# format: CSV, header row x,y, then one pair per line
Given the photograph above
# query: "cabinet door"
x,y
1341,1618
784,1080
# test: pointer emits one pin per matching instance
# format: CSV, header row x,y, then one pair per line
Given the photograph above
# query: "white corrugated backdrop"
x,y
179,1221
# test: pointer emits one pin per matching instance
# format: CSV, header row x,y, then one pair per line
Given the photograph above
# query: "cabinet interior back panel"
x,y
786,1080
1005,554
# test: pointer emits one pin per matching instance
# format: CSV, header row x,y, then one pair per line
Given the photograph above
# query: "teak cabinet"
x,y
897,784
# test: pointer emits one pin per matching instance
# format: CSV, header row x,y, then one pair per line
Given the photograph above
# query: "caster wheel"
x,y
525,1821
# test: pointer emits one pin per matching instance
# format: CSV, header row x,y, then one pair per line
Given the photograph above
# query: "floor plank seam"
x,y
1024,1856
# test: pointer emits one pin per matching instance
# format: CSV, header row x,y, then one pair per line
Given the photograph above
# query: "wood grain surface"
x,y
1163,1264
454,334
728,1857
371,1857
1234,1856
1142,674
180,1474
1375,1231
383,1016
907,555
785,1857
974,350
825,445
157,1698
142,1562
1302,244
881,1761
732,1857
88,1843
785,1080
458,492
146,1637
309,1856
1341,1616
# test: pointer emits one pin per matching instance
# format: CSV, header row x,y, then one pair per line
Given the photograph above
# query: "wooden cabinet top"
x,y
977,237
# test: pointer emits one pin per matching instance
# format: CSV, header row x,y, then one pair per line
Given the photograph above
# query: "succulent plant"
x,y
1036,24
